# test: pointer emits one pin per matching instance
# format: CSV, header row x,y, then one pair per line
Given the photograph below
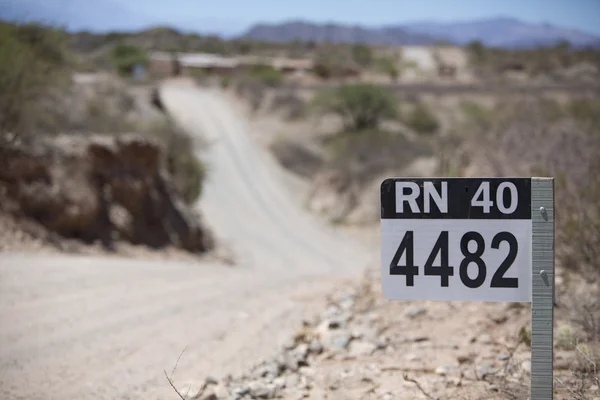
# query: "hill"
x,y
496,32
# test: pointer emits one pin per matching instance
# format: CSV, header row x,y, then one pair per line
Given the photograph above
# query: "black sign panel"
x,y
456,198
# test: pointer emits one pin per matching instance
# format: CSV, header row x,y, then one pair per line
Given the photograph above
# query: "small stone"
x,y
503,357
486,369
241,391
315,347
444,370
190,390
211,380
411,357
380,344
258,390
348,302
494,388
301,350
280,383
292,362
341,342
414,312
210,395
220,392
332,310
526,366
361,348
464,358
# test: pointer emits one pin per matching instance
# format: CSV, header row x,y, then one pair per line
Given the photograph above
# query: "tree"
x,y
478,51
362,55
125,56
33,62
422,120
388,66
361,106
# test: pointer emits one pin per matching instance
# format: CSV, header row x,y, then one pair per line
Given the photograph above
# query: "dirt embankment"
x,y
99,188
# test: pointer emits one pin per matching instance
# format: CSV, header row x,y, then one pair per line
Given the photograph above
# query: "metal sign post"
x,y
474,239
542,301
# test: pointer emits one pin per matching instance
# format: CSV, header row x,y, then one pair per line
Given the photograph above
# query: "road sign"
x,y
456,239
474,239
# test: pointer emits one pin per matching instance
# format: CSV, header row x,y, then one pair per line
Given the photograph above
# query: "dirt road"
x,y
106,328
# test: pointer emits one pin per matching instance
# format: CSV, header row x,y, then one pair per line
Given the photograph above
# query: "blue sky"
x,y
579,14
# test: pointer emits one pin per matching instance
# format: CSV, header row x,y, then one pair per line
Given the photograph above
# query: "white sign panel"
x,y
456,239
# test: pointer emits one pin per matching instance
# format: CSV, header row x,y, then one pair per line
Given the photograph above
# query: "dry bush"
x,y
251,90
33,64
422,120
365,155
541,137
293,106
187,171
360,106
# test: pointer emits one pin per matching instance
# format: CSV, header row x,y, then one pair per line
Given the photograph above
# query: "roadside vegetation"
x,y
34,65
124,57
45,104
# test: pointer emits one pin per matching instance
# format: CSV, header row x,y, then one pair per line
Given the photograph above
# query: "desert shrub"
x,y
252,91
478,116
422,120
266,75
331,62
33,63
477,51
362,55
291,104
187,171
533,137
364,155
388,67
360,106
125,57
226,81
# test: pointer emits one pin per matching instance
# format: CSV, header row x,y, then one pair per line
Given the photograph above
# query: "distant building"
x,y
429,62
172,64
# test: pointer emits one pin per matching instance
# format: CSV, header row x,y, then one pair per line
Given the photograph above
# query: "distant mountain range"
x,y
108,15
497,32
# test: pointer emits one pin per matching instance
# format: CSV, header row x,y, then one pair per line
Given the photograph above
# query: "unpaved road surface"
x,y
75,327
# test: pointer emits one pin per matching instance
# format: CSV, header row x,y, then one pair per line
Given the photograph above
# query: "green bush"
x,y
266,75
477,115
125,57
186,169
33,62
422,120
331,62
388,67
361,106
362,55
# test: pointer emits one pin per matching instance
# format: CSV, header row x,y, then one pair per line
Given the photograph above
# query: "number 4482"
x,y
444,270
